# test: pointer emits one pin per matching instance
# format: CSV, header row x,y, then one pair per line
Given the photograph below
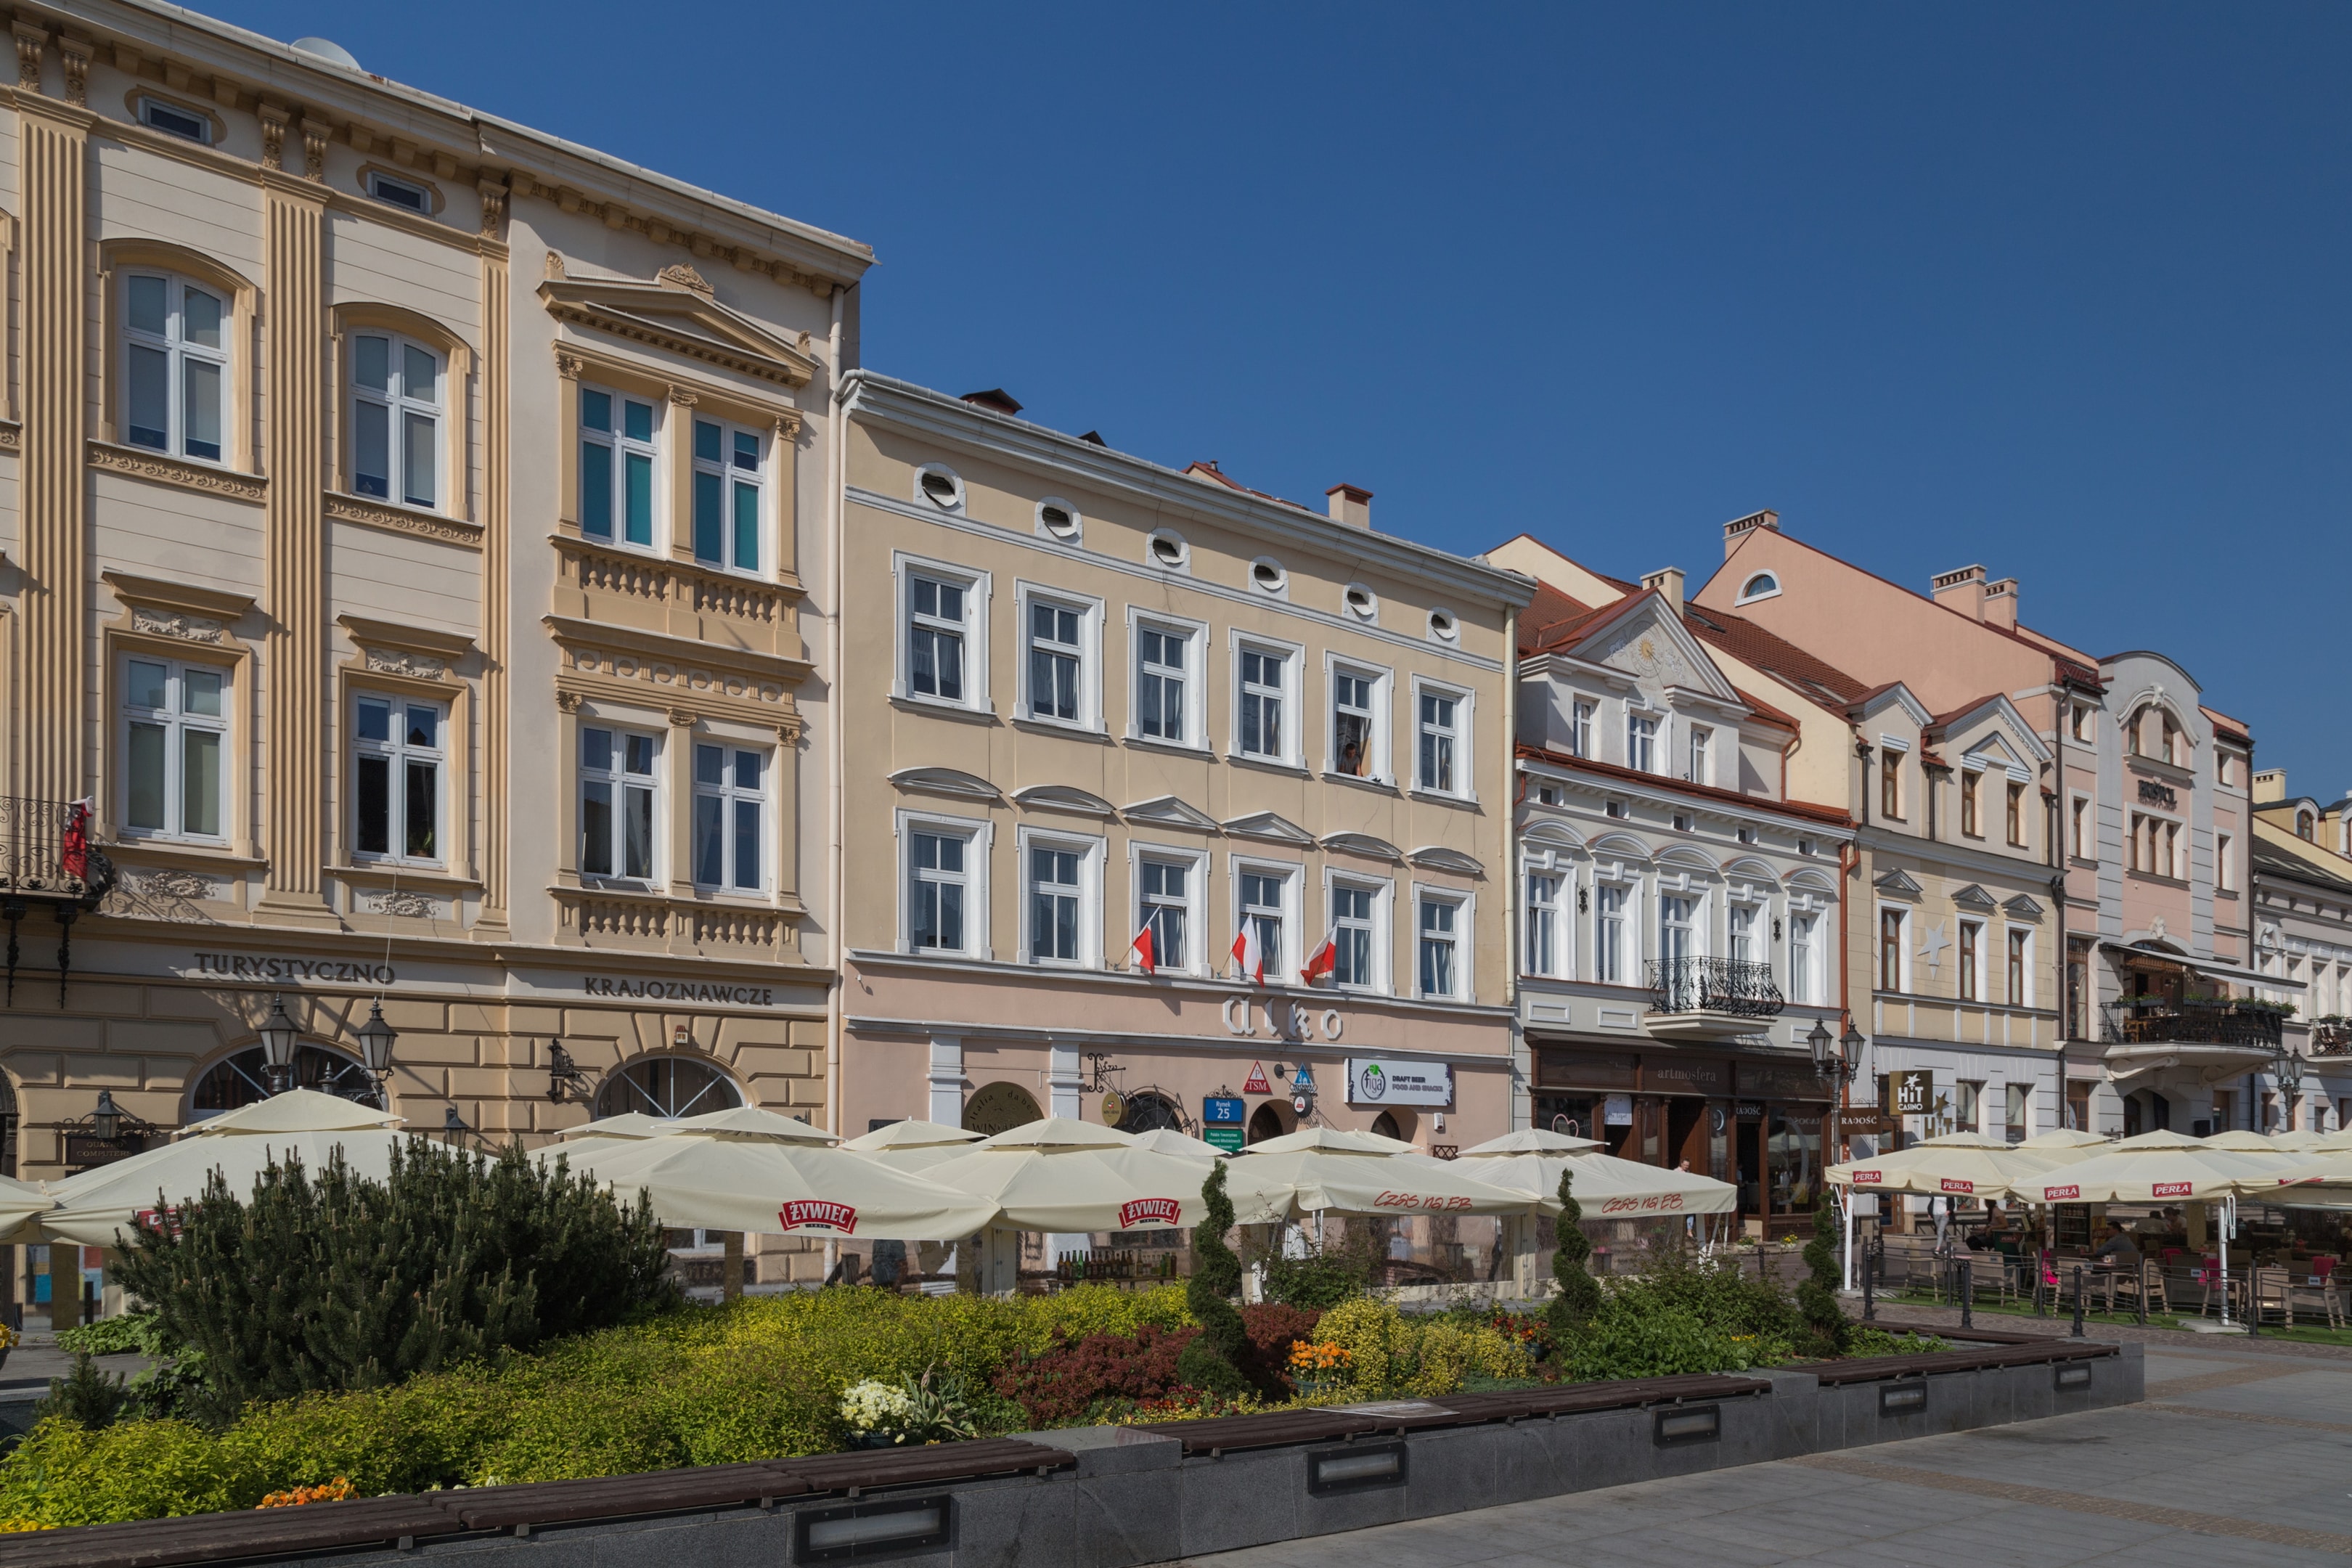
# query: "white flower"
x,y
872,1406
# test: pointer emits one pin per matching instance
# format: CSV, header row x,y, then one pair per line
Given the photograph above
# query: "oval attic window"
x,y
940,486
1268,576
1441,626
1360,601
1057,520
1167,549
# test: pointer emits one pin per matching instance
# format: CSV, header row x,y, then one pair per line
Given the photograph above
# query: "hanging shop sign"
x,y
1221,1116
1257,1083
1914,1091
1391,1080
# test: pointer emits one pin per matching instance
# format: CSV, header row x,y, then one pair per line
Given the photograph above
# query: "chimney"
x,y
1740,528
996,400
1350,503
1962,590
2000,607
1668,581
2270,784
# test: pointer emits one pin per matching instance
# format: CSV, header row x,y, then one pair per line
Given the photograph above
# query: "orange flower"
x,y
337,1490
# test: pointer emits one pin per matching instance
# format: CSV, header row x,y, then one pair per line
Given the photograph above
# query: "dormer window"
x,y
2303,825
1763,585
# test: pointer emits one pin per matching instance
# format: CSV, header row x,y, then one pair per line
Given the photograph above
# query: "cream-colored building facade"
x,y
1085,695
409,522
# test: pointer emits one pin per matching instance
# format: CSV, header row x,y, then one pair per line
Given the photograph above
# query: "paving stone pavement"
x,y
2240,1457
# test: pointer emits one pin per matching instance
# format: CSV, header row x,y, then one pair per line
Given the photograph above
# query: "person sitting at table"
x,y
2118,1249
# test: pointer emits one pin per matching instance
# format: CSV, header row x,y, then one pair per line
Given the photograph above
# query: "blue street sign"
x,y
1219,1108
1304,1082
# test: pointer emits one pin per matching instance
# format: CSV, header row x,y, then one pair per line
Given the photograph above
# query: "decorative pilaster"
x,y
295,578
497,554
53,147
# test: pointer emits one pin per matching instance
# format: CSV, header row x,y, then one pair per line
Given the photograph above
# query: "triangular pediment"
x,y
673,315
2023,907
1654,647
1898,882
1167,811
1974,898
1270,825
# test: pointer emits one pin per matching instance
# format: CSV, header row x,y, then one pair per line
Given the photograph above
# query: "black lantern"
x,y
278,1038
1851,1044
107,1120
376,1038
453,1126
2290,1071
1823,1046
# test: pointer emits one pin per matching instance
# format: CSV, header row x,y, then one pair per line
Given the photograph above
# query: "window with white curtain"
x,y
175,366
1440,946
939,879
397,396
1803,944
1641,743
1611,958
1355,912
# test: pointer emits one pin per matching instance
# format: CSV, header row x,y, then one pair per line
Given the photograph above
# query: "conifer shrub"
x,y
1579,1294
1211,1361
335,1281
1825,1320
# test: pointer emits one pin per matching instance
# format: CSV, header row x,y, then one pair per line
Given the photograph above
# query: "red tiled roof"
x,y
1548,617
1744,640
1215,475
1765,710
1830,814
2236,727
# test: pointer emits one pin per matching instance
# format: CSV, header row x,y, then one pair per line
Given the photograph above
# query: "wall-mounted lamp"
x,y
278,1038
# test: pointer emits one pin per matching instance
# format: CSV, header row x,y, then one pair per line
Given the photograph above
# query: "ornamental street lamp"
x,y
278,1038
1851,1043
376,1038
1824,1065
107,1120
2290,1071
1835,1057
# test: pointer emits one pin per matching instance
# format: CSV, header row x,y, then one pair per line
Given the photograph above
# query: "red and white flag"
x,y
1248,955
73,852
1324,961
1146,955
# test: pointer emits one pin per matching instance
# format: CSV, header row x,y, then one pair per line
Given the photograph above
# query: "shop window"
x,y
667,1086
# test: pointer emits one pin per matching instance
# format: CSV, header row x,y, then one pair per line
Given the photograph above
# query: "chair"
x,y
2270,1295
2320,1292
2144,1286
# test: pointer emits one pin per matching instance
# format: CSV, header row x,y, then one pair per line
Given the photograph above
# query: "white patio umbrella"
x,y
1956,1164
302,1124
717,1177
1168,1140
1060,1174
1605,1186
914,1145
2064,1145
751,1121
21,1205
629,1127
1328,1172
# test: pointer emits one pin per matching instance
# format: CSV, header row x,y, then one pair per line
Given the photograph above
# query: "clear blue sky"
x,y
2062,290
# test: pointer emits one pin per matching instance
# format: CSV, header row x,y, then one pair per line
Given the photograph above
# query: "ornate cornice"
x,y
140,464
402,519
698,680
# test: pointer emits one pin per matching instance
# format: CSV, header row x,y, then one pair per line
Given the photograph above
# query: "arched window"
x,y
1148,1110
177,342
398,399
1763,585
668,1085
240,1079
1265,1122
2303,825
1000,1107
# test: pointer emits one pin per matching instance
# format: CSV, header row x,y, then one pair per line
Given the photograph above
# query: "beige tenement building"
x,y
406,519
1088,696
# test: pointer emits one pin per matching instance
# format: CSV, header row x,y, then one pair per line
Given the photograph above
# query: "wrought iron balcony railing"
x,y
47,860
2154,1022
1731,985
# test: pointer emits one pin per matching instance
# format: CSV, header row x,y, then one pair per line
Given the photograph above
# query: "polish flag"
x,y
1324,961
1248,955
73,852
1141,947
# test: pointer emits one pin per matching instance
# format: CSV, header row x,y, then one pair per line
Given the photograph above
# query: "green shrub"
x,y
339,1282
1211,1361
125,1333
85,1396
64,1473
1388,1352
1645,1329
1825,1320
1580,1293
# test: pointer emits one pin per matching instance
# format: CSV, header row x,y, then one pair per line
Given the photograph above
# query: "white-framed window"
x,y
1971,960
175,366
619,496
396,401
1762,585
174,748
1441,763
1060,666
400,193
1166,549
1678,933
1057,888
1641,742
1268,575
1804,948
943,634
1359,911
1894,948
171,119
1168,890
729,485
1266,900
1441,936
1968,1106
730,815
2079,826
1612,933
1740,920
944,864
1262,720
1169,666
620,783
1580,728
1700,737
2017,971
399,758
2225,864
1545,921
1359,738
1361,603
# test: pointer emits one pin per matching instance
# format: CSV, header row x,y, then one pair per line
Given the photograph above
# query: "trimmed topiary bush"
x,y
1211,1362
1825,1320
1580,1293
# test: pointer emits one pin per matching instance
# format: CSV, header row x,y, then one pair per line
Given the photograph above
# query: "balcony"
x,y
1705,1000
2330,1040
2213,1039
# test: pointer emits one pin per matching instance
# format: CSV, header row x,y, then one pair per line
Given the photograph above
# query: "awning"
x,y
2214,967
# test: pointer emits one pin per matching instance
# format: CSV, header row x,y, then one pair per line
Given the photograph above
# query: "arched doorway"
x,y
1148,1110
667,1086
1385,1124
1265,1122
1000,1106
241,1078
